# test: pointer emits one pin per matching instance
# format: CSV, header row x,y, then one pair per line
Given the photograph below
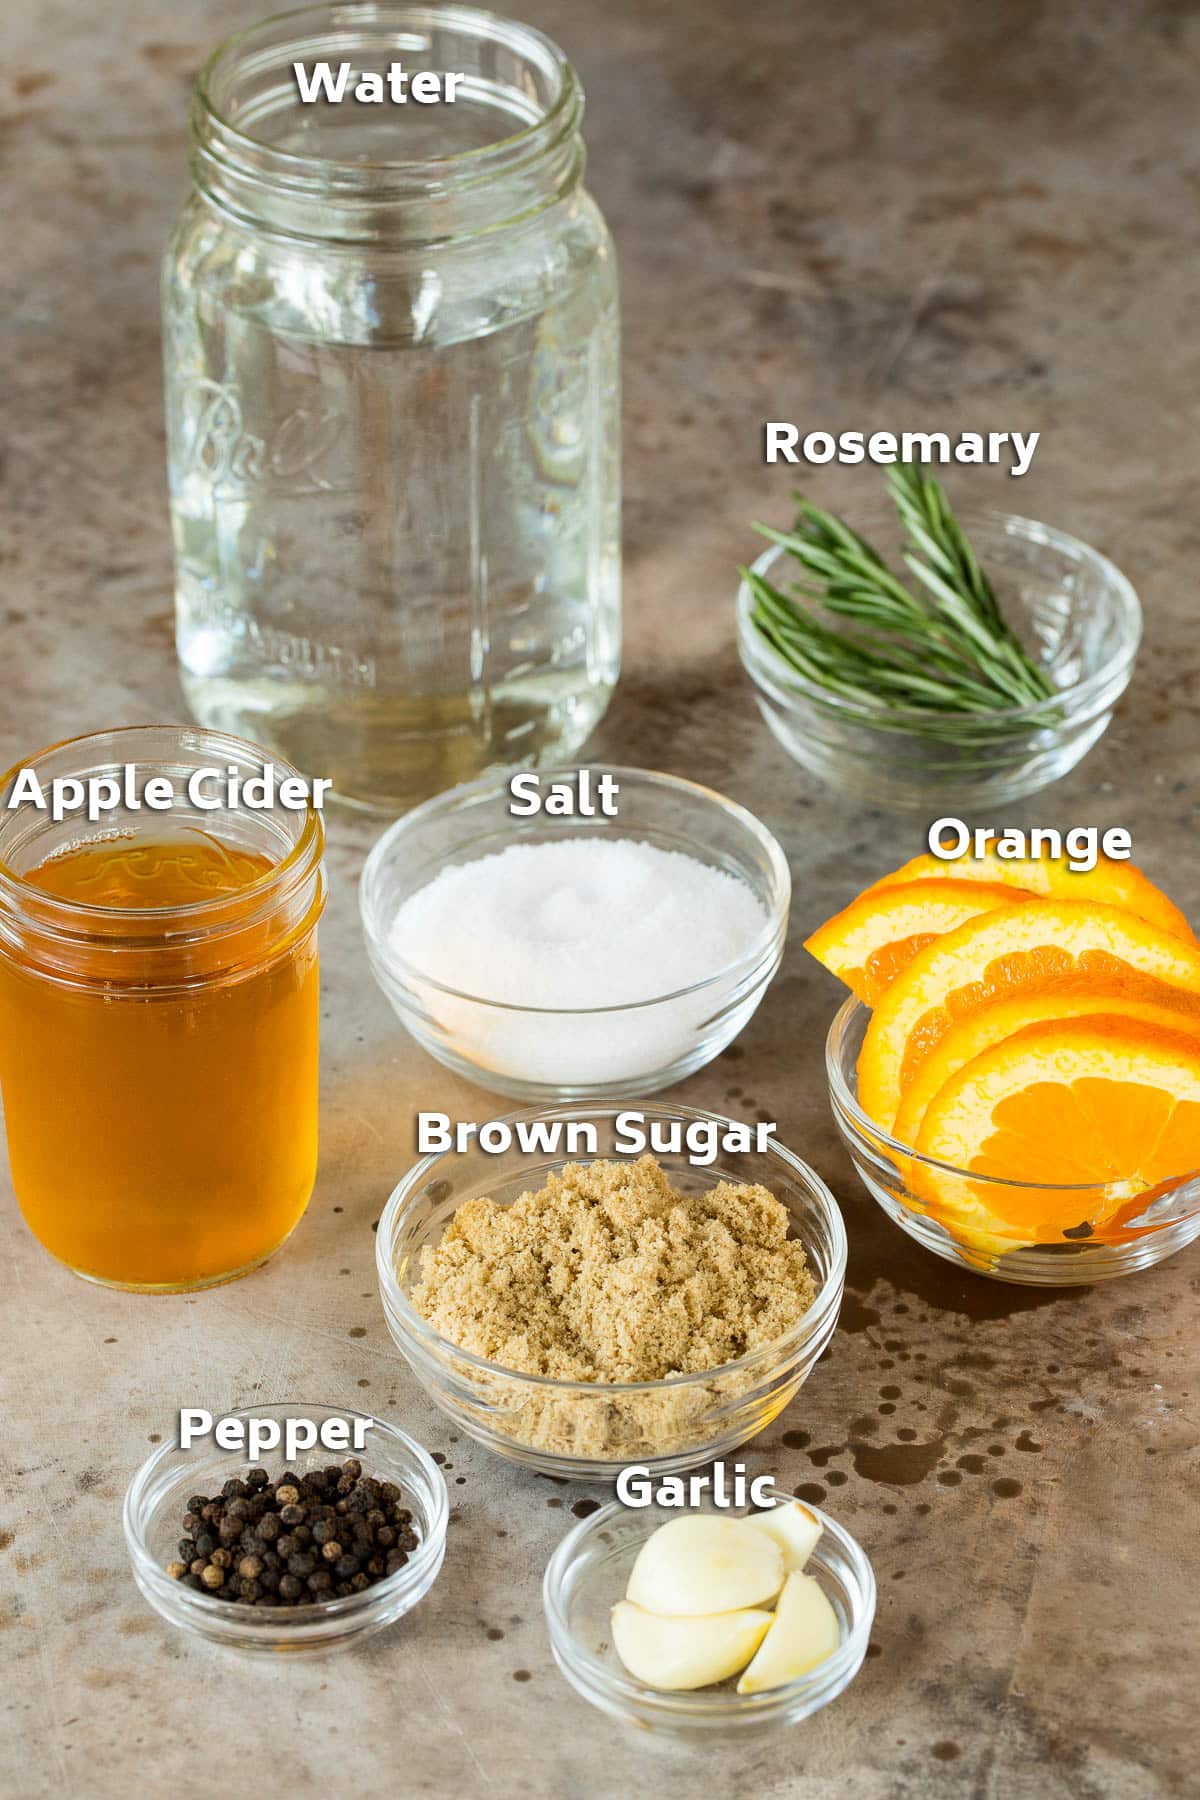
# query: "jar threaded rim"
x,y
399,201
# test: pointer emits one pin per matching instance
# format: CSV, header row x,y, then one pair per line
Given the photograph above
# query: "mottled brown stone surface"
x,y
854,216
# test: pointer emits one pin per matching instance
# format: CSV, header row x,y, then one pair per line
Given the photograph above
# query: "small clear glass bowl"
x,y
588,1431
1067,602
156,1501
885,1168
588,1574
541,1053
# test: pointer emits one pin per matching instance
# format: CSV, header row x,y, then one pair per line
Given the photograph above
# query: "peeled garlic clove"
x,y
705,1564
679,1654
793,1528
803,1633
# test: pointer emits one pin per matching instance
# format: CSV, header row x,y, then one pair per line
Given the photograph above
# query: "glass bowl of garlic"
x,y
614,1611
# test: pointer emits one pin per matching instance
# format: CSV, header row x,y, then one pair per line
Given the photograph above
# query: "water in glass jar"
x,y
397,549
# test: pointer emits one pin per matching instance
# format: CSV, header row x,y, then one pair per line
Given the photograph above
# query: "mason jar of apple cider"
x,y
159,1004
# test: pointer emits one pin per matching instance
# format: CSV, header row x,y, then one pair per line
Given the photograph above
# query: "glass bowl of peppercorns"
x,y
299,1559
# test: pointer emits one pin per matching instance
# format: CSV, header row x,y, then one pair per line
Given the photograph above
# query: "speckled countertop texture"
x,y
853,216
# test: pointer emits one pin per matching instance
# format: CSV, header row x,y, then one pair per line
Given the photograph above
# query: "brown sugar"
x,y
609,1274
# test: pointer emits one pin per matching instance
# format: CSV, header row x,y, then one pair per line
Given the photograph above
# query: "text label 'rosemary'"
x,y
782,442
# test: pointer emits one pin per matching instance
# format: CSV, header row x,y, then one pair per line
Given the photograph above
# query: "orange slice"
x,y
1099,1112
876,936
1111,883
1171,1009
1015,947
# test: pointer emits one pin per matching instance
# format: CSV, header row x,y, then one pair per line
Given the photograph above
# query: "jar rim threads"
x,y
418,199
81,942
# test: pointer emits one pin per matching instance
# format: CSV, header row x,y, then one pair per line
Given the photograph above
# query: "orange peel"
x,y
1110,883
872,940
1170,1009
1027,946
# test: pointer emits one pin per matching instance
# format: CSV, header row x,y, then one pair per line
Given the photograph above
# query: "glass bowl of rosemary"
x,y
981,672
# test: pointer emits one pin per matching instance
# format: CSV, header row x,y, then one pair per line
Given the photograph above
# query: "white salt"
x,y
573,925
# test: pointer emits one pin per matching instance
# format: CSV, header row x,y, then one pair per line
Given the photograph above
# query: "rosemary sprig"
x,y
942,647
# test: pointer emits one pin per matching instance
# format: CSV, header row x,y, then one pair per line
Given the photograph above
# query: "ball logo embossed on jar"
x,y
293,459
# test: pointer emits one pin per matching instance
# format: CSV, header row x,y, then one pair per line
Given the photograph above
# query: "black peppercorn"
x,y
333,1532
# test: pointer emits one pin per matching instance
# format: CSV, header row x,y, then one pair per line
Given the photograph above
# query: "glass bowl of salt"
x,y
569,957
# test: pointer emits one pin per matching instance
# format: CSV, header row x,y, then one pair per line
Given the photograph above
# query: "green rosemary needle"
x,y
942,648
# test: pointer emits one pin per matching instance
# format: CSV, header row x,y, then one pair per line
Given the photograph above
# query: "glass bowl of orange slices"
x,y
1016,1074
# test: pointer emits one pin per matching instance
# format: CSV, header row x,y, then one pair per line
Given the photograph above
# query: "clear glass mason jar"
x,y
391,348
159,1014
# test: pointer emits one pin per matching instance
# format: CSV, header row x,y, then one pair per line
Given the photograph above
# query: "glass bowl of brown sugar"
x,y
499,1312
